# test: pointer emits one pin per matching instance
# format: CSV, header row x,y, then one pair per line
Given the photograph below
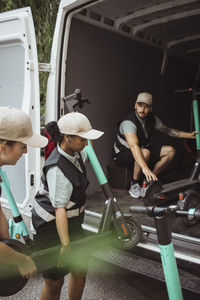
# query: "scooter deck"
x,y
142,266
180,185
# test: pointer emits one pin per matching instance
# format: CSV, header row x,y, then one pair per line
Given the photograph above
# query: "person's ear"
x,y
2,147
150,109
67,138
135,105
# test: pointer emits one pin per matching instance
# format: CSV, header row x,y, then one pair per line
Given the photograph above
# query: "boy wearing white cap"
x,y
15,134
58,211
132,145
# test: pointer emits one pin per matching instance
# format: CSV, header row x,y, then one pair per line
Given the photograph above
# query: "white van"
x,y
110,50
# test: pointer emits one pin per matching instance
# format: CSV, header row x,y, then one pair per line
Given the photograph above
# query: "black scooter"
x,y
154,193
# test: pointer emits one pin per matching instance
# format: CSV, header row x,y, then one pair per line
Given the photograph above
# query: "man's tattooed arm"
x,y
169,131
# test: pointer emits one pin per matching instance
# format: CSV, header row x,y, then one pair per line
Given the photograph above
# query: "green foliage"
x,y
44,15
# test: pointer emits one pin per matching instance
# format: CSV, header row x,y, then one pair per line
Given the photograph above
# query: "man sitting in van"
x,y
132,146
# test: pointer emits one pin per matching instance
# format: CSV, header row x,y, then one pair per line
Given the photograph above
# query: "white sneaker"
x,y
135,190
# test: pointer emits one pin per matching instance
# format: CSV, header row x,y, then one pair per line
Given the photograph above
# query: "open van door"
x,y
19,87
57,78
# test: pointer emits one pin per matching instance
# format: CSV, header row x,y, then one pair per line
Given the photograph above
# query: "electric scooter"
x,y
17,227
154,193
126,228
163,217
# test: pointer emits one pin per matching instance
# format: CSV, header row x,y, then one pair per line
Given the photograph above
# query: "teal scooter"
x,y
17,227
163,219
154,193
126,228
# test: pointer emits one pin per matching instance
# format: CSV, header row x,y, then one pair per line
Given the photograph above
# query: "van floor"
x,y
95,202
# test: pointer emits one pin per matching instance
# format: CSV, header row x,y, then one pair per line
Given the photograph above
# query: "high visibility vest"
x,y
43,211
121,143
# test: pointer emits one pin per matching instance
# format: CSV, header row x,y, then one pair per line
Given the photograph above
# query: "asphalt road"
x,y
98,287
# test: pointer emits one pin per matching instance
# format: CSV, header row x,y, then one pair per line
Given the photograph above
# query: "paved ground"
x,y
98,287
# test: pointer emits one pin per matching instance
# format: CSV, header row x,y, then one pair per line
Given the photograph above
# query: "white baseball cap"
x,y
144,98
75,123
15,125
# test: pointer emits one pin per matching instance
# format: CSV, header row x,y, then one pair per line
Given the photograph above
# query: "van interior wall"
x,y
110,70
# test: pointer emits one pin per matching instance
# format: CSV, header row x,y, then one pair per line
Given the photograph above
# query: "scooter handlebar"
x,y
149,210
155,211
139,209
197,214
75,95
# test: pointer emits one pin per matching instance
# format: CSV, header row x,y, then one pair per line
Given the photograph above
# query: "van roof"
x,y
173,26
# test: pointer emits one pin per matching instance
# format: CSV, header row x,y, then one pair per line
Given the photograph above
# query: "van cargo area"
x,y
128,47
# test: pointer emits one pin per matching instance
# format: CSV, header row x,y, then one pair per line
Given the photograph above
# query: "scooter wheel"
x,y
11,281
135,230
191,200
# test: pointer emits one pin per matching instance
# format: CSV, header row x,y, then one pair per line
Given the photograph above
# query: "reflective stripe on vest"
x,y
47,217
75,212
42,213
123,142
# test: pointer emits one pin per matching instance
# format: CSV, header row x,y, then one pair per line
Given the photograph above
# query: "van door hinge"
x,y
44,67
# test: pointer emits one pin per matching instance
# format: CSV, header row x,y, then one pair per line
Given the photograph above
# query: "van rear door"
x,y
19,87
57,77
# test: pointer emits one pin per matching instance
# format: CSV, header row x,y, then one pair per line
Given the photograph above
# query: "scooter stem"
x,y
196,123
95,164
119,220
21,227
98,170
167,257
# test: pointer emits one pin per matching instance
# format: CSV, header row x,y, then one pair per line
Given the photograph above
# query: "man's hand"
x,y
188,135
193,134
27,267
133,143
149,174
